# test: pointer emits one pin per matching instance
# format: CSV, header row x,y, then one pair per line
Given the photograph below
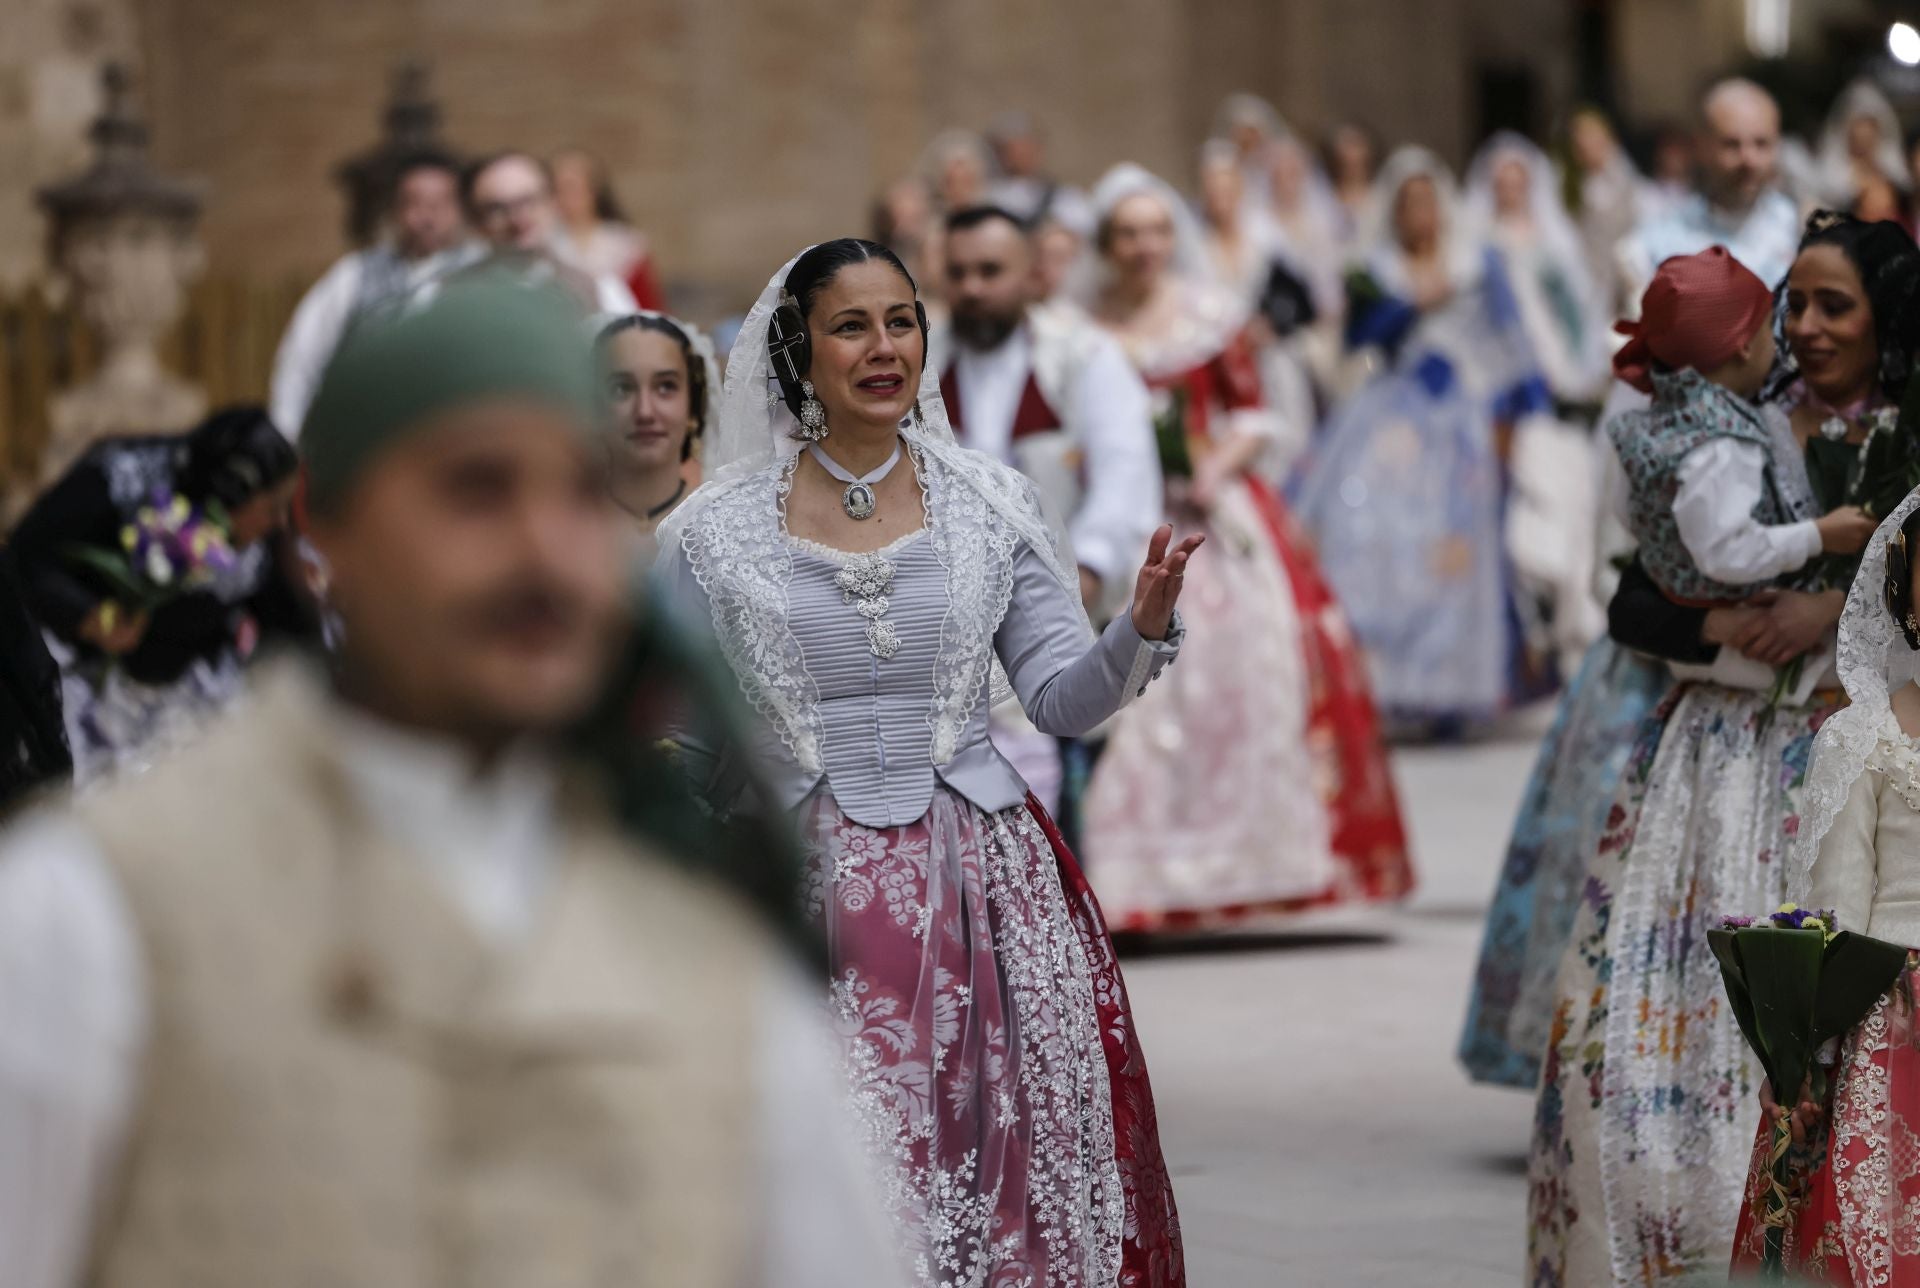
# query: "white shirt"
x,y
1720,484
1113,414
321,320
73,992
1764,238
991,383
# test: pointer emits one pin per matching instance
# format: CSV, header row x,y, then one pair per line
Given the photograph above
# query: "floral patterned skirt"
x,y
987,1036
1644,1121
1251,776
1561,819
118,725
1856,1210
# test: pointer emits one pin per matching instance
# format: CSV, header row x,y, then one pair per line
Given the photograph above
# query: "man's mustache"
x,y
525,605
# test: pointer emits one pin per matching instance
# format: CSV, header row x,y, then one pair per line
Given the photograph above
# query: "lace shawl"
x,y
736,545
1874,661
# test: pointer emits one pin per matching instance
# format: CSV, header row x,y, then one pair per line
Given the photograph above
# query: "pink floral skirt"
x,y
987,1036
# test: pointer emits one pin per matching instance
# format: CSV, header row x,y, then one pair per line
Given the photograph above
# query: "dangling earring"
x,y
813,416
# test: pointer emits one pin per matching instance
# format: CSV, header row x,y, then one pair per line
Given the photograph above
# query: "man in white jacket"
x,y
1042,388
426,237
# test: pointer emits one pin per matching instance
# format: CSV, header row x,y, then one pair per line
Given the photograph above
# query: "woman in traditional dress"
x,y
1302,206
874,587
1606,201
1856,1210
1250,260
1405,491
1352,156
661,385
1513,201
597,237
1860,149
1248,125
138,673
1643,1125
33,735
1253,778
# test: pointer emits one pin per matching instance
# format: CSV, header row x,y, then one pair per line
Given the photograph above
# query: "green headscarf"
x,y
481,336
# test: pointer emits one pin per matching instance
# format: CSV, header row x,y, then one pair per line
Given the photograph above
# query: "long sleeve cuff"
x,y
1150,657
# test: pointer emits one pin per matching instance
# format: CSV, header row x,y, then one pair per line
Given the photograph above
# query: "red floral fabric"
x,y
1856,1184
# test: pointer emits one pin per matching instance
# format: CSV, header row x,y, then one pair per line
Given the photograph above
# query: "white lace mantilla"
x,y
1874,662
737,547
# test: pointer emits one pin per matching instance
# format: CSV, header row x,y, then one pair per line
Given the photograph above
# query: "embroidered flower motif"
x,y
864,582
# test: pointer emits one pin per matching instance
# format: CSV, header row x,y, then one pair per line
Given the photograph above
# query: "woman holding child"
x,y
1748,532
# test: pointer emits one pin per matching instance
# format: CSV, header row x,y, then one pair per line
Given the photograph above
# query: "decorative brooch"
x,y
864,582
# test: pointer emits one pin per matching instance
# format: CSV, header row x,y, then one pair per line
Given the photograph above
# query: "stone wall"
x,y
50,57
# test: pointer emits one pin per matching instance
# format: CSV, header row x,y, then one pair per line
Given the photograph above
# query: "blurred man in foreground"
x,y
369,987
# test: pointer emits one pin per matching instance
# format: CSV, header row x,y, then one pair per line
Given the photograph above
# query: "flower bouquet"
x,y
1170,436
169,549
1796,982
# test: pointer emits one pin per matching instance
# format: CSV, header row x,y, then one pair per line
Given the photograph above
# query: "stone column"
x,y
125,234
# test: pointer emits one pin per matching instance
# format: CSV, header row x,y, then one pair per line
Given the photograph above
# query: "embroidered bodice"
x,y
1687,413
873,671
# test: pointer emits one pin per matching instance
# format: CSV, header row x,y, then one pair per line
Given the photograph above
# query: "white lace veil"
x,y
1551,222
1115,186
1383,256
1862,98
1874,662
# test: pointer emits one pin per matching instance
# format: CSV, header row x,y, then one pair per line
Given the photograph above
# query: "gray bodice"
x,y
861,658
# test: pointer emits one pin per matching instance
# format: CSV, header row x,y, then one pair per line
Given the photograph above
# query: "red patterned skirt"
x,y
1343,728
1855,1208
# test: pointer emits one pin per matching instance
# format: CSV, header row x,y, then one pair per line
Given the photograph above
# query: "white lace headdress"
x,y
1874,662
1115,186
1551,222
1862,98
1381,246
1213,312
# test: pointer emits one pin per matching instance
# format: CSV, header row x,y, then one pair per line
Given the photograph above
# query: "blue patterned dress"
x,y
1405,495
1561,820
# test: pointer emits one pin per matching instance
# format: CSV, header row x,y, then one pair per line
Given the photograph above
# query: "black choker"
x,y
654,512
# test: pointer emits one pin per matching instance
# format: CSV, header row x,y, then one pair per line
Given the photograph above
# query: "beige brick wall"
x,y
50,53
738,129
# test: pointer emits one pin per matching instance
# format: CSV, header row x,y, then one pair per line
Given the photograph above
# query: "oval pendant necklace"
x,y
858,500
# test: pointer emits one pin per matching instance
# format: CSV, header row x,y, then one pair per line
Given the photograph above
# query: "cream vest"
x,y
346,1087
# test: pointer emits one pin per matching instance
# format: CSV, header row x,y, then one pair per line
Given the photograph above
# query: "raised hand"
x,y
1158,587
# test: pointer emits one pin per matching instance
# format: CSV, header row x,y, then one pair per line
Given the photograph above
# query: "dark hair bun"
x,y
1898,591
811,274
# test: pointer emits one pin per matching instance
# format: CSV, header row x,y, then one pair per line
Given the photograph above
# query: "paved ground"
x,y
1319,1130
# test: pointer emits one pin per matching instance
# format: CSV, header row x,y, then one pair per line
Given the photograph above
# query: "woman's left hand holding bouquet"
x,y
112,629
1806,1116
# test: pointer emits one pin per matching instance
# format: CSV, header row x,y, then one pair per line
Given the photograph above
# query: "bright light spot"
x,y
1769,27
1903,42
